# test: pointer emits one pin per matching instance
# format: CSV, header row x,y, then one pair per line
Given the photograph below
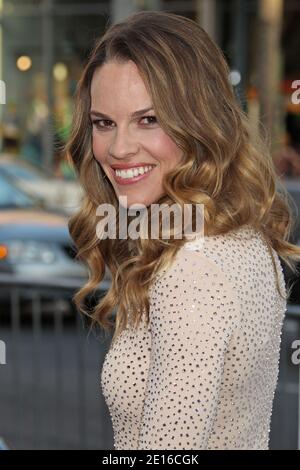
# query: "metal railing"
x,y
50,395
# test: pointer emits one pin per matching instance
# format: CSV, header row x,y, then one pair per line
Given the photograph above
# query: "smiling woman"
x,y
193,362
124,140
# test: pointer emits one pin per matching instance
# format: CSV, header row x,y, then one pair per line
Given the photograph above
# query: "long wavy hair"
x,y
226,167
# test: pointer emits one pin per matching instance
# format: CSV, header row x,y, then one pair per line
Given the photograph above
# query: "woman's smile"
x,y
133,174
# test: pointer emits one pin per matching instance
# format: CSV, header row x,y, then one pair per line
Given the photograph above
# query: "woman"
x,y
194,359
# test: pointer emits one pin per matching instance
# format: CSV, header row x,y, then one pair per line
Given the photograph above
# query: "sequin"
x,y
203,373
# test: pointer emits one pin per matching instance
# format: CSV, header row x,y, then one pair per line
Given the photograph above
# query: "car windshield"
x,y
11,196
16,171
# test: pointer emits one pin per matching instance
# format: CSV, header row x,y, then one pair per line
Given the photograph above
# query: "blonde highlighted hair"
x,y
225,166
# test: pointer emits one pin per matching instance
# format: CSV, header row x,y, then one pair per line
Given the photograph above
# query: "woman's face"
x,y
126,137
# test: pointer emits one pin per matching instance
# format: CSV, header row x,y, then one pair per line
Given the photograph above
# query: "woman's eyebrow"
x,y
133,115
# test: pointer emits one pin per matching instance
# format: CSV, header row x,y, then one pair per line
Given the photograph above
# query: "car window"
x,y
19,172
10,196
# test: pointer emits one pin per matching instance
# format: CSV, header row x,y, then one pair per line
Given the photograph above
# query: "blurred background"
x,y
50,396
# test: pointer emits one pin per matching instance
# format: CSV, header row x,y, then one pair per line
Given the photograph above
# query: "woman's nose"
x,y
123,144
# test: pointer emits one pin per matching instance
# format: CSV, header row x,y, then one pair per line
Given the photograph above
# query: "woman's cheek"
x,y
161,145
98,148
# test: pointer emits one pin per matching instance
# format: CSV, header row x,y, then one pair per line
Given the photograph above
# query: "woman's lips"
x,y
132,180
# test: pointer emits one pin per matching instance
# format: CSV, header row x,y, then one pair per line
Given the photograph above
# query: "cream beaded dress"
x,y
203,374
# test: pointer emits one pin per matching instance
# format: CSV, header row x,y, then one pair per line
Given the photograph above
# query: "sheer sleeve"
x,y
194,311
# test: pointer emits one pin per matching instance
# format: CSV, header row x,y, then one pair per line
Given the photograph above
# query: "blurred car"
x,y
35,246
34,241
39,182
293,187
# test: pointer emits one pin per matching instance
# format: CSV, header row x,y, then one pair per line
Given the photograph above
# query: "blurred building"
x,y
44,43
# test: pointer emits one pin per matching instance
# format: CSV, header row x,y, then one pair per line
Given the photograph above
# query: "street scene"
x,y
50,360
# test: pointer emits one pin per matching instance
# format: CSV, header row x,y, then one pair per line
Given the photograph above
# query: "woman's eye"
x,y
104,123
96,122
150,117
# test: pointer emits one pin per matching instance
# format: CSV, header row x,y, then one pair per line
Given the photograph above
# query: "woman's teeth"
x,y
132,172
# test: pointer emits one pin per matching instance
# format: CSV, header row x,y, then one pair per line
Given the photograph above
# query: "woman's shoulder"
x,y
238,254
242,254
231,247
242,234
205,254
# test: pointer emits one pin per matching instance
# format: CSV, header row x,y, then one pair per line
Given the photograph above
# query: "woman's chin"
x,y
134,203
